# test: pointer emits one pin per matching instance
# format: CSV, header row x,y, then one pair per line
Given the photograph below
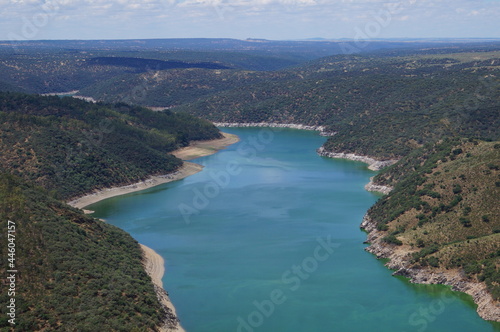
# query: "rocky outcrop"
x,y
399,260
371,186
321,129
373,164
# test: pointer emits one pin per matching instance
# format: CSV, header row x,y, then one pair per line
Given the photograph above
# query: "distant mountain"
x,y
67,65
142,64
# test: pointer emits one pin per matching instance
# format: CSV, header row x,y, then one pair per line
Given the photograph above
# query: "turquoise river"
x,y
267,238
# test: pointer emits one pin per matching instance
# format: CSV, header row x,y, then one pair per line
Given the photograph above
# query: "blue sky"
x,y
269,19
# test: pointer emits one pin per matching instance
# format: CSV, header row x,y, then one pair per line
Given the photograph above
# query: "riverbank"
x,y
194,150
199,149
321,129
373,164
186,170
371,186
60,93
155,268
399,260
154,264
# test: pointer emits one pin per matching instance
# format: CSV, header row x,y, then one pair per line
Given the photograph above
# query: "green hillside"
x,y
73,147
379,105
445,208
74,273
169,88
383,104
46,67
436,109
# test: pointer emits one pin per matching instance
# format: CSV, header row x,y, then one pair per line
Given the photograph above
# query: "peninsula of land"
x,y
194,150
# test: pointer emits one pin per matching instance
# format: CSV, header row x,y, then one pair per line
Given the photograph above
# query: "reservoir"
x,y
267,238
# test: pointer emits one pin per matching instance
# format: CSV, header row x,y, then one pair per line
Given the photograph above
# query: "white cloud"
x,y
243,18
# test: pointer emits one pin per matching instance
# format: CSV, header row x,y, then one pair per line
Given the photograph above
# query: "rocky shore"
x,y
373,164
321,129
371,186
399,260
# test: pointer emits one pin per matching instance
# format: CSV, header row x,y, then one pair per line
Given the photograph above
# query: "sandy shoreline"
x,y
155,268
195,150
205,148
186,170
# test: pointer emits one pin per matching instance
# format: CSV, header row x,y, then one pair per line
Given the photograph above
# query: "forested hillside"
x,y
444,209
63,66
74,273
72,147
437,109
382,106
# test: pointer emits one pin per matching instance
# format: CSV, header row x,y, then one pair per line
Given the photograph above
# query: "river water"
x,y
267,238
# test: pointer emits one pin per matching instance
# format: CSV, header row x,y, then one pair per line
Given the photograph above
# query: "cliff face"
x,y
400,261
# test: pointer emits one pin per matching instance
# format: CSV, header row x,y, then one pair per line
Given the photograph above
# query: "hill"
x,y
441,222
379,105
67,65
73,272
73,147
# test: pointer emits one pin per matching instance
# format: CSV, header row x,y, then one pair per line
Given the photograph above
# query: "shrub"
x,y
433,261
472,268
457,189
465,222
392,239
467,210
382,227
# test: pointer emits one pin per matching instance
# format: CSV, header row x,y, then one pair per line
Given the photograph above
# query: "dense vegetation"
x,y
175,87
75,273
142,64
382,106
445,208
73,147
61,66
405,103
